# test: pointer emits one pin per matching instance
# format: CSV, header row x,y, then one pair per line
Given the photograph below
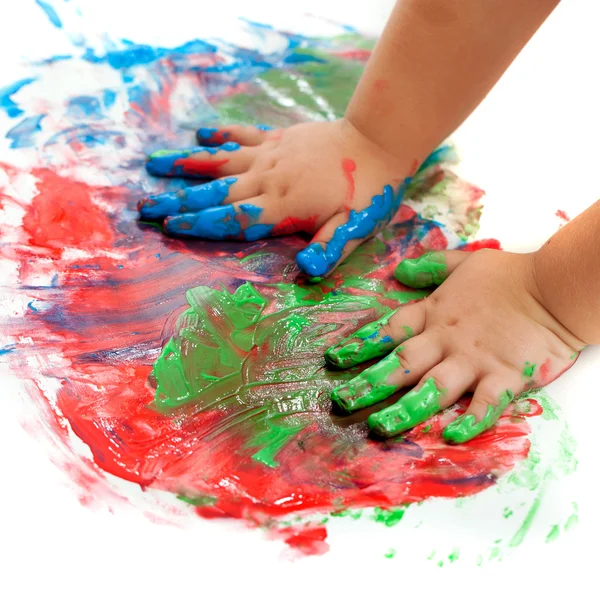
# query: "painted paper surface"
x,y
197,368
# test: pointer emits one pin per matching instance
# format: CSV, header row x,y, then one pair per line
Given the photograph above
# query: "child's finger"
x,y
251,135
198,197
248,220
491,397
201,161
431,268
439,388
378,338
343,233
403,367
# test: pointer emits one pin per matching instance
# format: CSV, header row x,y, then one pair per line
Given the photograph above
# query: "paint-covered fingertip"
x,y
312,261
461,430
341,401
333,359
381,427
426,271
177,226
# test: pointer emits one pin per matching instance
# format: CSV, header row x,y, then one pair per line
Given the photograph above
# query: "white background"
x,y
532,145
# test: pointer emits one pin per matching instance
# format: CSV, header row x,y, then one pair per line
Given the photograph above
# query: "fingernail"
x,y
370,387
466,427
413,408
425,271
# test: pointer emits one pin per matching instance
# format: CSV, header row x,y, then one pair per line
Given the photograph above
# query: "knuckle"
x,y
405,358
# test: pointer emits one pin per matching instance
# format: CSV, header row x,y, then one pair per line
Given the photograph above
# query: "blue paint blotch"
x,y
7,103
23,134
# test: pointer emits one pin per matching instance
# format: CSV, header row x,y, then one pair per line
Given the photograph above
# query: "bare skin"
x,y
499,323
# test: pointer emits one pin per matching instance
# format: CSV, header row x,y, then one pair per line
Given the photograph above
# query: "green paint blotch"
x,y
389,517
423,272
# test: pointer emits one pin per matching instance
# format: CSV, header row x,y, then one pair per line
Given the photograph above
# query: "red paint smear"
x,y
63,214
361,55
481,244
295,225
349,166
309,541
203,168
545,376
561,214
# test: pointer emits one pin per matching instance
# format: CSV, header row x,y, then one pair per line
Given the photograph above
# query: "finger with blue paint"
x,y
248,220
201,161
344,232
251,135
196,198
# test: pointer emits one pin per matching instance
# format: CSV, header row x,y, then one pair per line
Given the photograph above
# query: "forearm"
x,y
434,63
567,270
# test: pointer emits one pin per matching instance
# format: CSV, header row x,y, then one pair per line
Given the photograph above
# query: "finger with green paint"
x,y
482,331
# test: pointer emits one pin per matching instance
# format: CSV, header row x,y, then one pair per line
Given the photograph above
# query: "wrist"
x,y
546,288
399,158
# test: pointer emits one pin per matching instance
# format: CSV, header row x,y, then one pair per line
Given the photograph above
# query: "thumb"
x,y
431,268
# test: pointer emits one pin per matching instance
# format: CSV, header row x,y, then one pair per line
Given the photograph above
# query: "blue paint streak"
x,y
165,165
386,340
141,54
8,349
443,153
252,211
23,134
316,261
32,308
264,127
89,136
257,232
216,223
50,13
7,103
84,106
188,200
296,58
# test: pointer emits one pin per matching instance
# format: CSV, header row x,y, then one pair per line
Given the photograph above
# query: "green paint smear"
x,y
390,553
466,427
273,439
519,536
370,387
389,517
553,534
413,408
529,370
213,361
427,270
198,500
